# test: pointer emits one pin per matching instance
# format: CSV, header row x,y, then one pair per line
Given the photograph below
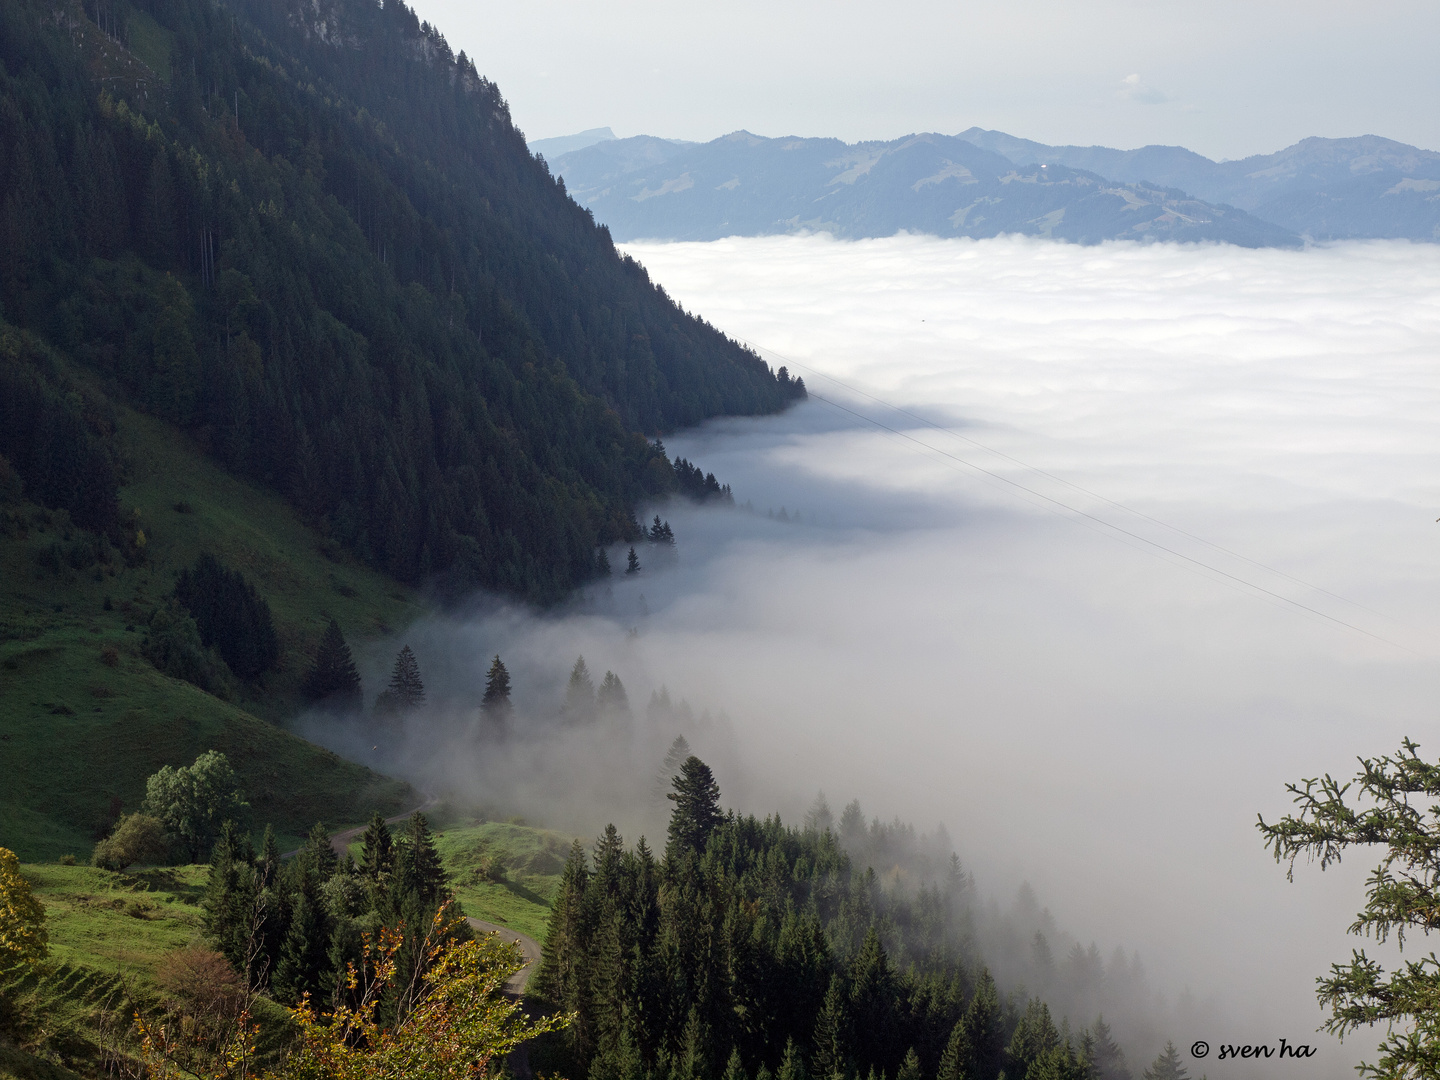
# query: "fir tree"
x,y
304,966
1167,1066
985,1026
333,681
611,699
697,806
602,562
632,562
792,1065
1105,1055
670,767
405,691
828,1056
958,1061
735,1068
377,853
419,872
910,1067
495,705
579,694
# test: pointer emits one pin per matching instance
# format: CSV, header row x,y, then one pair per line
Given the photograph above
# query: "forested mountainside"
x,y
313,238
752,949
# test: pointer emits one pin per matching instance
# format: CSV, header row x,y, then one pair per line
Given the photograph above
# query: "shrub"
x,y
139,838
174,647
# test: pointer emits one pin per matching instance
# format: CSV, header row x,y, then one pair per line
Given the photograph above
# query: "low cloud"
x,y
1089,701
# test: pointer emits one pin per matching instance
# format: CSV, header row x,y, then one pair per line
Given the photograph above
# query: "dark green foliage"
x,y
701,487
697,806
632,562
660,533
56,437
377,853
495,705
294,927
232,617
406,690
333,681
760,951
602,563
1167,1066
341,268
174,646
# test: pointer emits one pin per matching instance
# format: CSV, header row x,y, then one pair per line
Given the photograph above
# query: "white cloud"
x,y
1133,89
1079,709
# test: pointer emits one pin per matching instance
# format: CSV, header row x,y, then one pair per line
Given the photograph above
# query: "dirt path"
x,y
515,987
341,841
529,949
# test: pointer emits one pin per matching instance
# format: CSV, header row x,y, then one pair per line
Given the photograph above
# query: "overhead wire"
x,y
1059,505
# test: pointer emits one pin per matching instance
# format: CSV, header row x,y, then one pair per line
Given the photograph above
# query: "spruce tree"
x,y
377,853
602,562
304,955
697,806
419,872
985,1026
579,694
1167,1066
792,1065
735,1068
828,1056
632,562
1107,1057
406,690
611,699
670,767
495,705
333,681
958,1060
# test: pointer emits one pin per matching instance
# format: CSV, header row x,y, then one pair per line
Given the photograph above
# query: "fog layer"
x,y
1199,563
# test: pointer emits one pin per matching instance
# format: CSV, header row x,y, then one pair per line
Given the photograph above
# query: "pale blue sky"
x,y
1226,78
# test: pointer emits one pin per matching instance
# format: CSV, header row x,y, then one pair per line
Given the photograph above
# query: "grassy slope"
x,y
75,732
108,933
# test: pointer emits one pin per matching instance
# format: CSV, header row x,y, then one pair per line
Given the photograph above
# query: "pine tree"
x,y
632,562
602,562
735,1068
1167,1066
697,806
958,1061
405,691
656,532
377,853
829,1057
333,681
985,1026
304,960
419,872
1107,1057
910,1067
579,694
495,705
670,767
792,1065
611,699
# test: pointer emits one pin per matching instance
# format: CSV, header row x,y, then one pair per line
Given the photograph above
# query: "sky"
x,y
1226,78
1097,548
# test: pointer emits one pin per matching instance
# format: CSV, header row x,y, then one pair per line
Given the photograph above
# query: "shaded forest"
x,y
313,238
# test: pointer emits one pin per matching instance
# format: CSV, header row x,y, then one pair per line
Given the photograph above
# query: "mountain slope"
x,y
312,237
1328,189
85,717
742,184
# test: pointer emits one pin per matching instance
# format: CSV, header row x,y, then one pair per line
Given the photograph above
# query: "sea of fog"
x,y
1085,552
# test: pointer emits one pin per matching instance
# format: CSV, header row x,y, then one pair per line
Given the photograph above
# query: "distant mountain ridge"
x,y
749,185
1318,189
1326,189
